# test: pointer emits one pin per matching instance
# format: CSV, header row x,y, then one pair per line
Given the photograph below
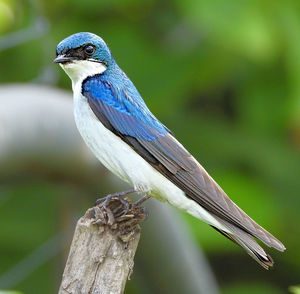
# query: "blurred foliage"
x,y
6,16
223,75
9,292
295,289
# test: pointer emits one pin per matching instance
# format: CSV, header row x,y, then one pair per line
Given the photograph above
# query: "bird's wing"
x,y
147,136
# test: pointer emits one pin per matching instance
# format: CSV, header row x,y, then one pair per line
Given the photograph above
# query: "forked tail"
x,y
246,241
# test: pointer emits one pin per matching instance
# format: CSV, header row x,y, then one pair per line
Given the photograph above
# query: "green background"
x,y
224,76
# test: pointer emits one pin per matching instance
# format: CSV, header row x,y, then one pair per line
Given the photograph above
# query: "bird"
x,y
132,143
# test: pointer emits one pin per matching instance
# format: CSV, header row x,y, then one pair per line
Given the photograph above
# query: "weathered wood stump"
x,y
104,244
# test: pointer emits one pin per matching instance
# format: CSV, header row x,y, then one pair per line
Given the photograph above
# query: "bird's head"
x,y
82,55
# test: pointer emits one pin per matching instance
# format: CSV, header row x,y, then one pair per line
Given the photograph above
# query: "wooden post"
x,y
103,248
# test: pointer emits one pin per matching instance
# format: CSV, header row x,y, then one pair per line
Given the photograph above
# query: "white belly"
x,y
116,155
123,161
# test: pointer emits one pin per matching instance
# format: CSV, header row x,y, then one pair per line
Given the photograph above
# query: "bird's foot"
x,y
118,212
109,197
114,212
137,206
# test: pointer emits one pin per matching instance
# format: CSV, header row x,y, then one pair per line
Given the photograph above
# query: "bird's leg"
x,y
119,195
141,200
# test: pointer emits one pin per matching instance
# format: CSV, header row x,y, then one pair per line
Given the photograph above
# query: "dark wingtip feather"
x,y
269,262
265,261
245,241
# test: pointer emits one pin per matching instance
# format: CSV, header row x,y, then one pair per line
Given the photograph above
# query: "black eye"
x,y
89,50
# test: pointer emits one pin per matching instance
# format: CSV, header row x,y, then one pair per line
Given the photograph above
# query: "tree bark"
x,y
103,248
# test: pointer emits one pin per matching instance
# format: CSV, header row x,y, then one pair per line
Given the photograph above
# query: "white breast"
x,y
115,154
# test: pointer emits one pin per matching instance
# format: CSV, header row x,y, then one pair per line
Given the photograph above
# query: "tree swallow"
x,y
131,142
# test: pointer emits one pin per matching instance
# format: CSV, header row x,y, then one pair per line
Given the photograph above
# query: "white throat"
x,y
78,70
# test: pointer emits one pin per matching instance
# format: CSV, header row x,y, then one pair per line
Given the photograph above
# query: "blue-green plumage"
x,y
123,106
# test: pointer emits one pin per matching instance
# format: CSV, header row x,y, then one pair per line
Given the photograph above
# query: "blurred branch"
x,y
37,128
102,250
39,28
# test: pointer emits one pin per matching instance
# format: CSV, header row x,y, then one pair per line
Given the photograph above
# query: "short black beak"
x,y
63,59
